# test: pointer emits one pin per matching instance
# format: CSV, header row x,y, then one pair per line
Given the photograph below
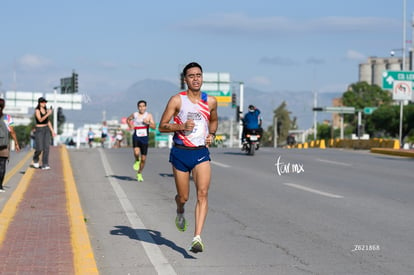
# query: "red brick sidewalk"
x,y
38,238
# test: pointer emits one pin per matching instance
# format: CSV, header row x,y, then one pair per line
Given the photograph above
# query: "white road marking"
x,y
334,162
220,164
154,253
301,187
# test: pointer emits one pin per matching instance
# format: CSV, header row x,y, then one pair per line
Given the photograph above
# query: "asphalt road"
x,y
279,212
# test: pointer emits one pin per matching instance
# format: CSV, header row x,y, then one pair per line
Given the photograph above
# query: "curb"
x,y
393,152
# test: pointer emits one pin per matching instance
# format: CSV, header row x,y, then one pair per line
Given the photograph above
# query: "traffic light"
x,y
238,113
75,88
233,100
60,116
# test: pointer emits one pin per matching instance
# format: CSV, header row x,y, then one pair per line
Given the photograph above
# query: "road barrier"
x,y
365,144
375,145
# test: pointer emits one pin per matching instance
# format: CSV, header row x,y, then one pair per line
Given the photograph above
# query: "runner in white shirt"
x,y
140,121
195,121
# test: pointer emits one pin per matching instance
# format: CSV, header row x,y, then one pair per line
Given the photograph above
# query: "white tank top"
x,y
141,129
200,114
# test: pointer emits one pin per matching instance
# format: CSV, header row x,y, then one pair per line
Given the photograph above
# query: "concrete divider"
x,y
393,152
322,144
364,144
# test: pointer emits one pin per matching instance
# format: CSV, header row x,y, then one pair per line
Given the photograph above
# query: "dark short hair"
x,y
191,65
41,99
142,101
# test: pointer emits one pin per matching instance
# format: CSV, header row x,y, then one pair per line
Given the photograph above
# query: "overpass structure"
x,y
20,103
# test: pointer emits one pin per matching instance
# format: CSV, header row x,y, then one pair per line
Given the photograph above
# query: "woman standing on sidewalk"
x,y
42,134
6,125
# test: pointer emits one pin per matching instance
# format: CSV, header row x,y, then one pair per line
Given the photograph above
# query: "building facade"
x,y
371,71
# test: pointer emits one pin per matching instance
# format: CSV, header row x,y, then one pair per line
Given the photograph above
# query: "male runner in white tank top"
x,y
194,124
140,121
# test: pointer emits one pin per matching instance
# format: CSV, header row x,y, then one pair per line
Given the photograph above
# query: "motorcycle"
x,y
251,143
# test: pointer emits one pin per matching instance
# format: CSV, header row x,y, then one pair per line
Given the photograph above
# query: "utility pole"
x,y
275,133
241,112
315,126
55,121
403,67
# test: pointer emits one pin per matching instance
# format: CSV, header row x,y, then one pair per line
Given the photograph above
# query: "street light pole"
x,y
241,111
315,123
403,67
55,121
275,133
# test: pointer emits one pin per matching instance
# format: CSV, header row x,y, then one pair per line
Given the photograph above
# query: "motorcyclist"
x,y
252,121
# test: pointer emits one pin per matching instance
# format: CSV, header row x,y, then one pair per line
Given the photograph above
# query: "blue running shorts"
x,y
186,159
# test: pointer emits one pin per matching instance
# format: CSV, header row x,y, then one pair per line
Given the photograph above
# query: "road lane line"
x,y
17,167
322,193
220,164
11,206
83,257
334,162
154,253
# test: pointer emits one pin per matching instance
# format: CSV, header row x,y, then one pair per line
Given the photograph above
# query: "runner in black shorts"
x,y
140,121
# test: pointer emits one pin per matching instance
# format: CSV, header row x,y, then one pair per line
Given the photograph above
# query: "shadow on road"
x,y
150,236
234,153
125,178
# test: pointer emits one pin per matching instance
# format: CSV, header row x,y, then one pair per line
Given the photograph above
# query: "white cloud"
x,y
354,55
315,61
277,60
107,65
240,23
333,88
260,80
30,62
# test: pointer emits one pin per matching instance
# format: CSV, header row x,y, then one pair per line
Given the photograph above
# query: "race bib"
x,y
141,132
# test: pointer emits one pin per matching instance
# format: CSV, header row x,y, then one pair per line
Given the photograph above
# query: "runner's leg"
x,y
201,176
182,184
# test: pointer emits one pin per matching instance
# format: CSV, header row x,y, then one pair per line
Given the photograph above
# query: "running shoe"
x,y
136,165
181,222
139,177
197,245
2,190
35,165
46,167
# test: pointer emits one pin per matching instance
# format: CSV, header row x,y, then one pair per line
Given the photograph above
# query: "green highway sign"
x,y
340,110
218,93
162,137
369,110
388,78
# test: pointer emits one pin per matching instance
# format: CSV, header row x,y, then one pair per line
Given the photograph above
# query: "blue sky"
x,y
270,45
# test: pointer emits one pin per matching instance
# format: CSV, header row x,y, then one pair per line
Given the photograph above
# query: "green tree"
x,y
284,124
408,123
385,121
361,95
22,134
324,131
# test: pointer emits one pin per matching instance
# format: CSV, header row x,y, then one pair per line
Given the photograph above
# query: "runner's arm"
x,y
170,111
213,124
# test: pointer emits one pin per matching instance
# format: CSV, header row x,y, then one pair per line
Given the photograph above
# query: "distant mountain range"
x,y
158,92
